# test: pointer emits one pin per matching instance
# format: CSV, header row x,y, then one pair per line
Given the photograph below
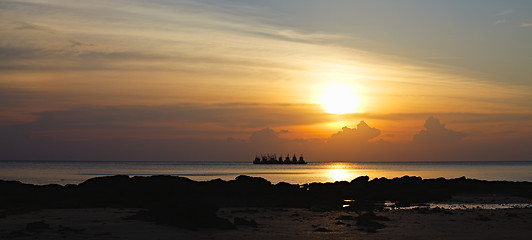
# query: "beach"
x,y
167,207
289,223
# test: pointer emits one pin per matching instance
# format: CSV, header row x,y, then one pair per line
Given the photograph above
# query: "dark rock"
x,y
69,229
244,191
361,179
244,222
322,229
37,226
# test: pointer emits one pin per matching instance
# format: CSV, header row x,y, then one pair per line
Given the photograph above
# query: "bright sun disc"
x,y
339,100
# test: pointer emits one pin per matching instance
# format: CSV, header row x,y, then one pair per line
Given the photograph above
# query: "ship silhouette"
x,y
272,159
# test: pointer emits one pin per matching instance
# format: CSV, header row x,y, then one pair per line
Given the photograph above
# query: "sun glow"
x,y
339,99
338,175
340,172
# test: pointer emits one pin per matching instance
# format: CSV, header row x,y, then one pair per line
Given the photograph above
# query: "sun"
x,y
339,99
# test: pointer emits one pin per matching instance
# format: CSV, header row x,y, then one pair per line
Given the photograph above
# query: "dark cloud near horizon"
x,y
349,144
237,114
264,136
454,117
437,133
246,115
362,133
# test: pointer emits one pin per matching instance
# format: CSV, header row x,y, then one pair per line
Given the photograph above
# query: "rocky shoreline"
x,y
192,205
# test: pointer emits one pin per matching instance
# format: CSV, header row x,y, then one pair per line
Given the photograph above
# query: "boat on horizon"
x,y
272,159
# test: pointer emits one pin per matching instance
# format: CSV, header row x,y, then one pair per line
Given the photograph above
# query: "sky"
x,y
225,80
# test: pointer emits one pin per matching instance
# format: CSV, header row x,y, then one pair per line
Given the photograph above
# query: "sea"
x,y
74,172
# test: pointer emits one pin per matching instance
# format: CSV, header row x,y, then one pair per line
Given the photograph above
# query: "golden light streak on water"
x,y
340,172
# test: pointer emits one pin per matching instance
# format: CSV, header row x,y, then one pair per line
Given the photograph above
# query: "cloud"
x,y
500,21
267,140
147,120
504,12
455,117
236,117
79,55
349,144
76,46
362,133
527,24
503,19
35,27
80,47
264,136
437,133
137,39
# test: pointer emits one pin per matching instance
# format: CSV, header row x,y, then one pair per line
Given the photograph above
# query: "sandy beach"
x,y
290,223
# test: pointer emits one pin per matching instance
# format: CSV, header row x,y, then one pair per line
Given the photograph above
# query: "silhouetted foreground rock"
x,y
37,226
244,222
322,229
182,202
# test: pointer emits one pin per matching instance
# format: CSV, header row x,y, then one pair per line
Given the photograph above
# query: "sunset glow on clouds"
x,y
174,77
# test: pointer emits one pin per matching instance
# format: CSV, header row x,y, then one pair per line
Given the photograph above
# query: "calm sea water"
x,y
64,172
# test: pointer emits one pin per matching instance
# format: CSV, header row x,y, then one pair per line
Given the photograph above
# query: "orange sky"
x,y
78,73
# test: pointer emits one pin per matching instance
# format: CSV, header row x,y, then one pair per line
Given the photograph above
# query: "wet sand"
x,y
286,223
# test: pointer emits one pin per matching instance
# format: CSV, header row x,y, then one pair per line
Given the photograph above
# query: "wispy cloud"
x,y
441,58
527,24
501,21
501,14
503,18
35,27
504,12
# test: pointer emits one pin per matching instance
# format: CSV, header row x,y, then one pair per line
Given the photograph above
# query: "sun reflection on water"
x,y
340,172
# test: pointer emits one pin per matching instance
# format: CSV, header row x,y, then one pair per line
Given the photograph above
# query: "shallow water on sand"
x,y
65,172
465,206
